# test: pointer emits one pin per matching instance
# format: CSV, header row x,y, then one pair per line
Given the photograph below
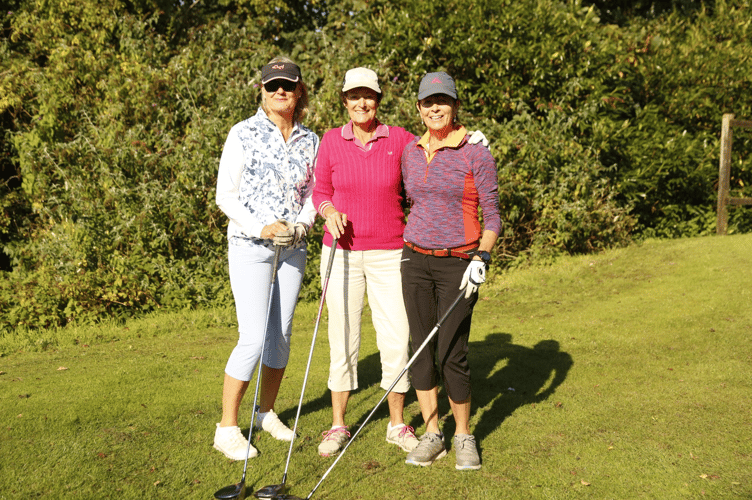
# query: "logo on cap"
x,y
278,66
436,80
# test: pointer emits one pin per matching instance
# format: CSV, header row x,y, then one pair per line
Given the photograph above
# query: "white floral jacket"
x,y
262,179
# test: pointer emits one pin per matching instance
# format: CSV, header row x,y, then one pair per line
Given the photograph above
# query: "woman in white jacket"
x,y
264,185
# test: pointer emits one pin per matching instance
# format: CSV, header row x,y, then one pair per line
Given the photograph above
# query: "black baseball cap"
x,y
280,70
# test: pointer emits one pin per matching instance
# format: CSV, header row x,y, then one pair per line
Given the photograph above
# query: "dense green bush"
x,y
684,74
555,197
115,114
121,178
646,97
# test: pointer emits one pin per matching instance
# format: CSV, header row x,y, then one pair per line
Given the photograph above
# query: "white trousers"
x,y
250,276
355,273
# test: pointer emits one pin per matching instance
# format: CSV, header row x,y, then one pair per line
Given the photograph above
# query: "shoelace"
x,y
407,431
462,442
427,441
328,434
273,423
238,438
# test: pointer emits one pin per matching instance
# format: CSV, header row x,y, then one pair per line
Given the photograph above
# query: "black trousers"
x,y
429,286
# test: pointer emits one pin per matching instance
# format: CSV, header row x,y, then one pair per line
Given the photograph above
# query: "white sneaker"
x,y
231,442
402,435
334,440
274,426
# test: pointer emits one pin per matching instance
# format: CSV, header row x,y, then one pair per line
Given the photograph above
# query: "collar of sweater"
x,y
453,140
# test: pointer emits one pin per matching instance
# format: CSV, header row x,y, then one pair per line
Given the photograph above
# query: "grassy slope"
x,y
622,375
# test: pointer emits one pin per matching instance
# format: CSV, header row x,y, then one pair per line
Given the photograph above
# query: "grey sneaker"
x,y
430,448
466,452
402,435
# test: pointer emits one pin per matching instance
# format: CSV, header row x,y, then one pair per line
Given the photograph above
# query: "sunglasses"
x,y
273,85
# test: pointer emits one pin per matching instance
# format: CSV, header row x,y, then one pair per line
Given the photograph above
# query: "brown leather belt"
x,y
464,252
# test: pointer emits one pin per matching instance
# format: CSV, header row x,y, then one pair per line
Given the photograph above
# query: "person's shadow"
x,y
530,375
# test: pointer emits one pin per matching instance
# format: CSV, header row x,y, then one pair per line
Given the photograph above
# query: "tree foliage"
x,y
604,120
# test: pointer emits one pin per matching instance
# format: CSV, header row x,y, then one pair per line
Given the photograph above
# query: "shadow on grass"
x,y
530,375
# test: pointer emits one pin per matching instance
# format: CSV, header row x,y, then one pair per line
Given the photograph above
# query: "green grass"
x,y
622,375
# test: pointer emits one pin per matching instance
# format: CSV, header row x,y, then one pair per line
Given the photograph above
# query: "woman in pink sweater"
x,y
358,191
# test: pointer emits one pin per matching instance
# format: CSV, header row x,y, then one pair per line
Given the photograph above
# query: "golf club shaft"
x,y
310,353
277,252
402,373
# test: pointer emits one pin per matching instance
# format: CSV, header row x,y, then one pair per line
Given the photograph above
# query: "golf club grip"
x,y
310,353
402,373
277,252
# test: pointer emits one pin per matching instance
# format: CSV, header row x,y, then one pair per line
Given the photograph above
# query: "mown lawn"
x,y
622,375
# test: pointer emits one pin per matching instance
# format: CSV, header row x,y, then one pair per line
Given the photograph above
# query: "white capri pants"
x,y
250,274
354,273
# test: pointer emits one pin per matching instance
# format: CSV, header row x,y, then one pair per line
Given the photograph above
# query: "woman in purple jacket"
x,y
446,249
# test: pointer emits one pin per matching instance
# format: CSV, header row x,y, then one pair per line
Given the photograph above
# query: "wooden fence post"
x,y
724,175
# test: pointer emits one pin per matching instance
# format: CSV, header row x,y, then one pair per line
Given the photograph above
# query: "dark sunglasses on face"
x,y
273,85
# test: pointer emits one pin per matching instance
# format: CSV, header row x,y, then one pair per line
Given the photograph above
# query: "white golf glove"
x,y
285,238
300,231
476,137
475,274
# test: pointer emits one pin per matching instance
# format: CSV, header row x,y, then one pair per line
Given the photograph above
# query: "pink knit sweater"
x,y
365,185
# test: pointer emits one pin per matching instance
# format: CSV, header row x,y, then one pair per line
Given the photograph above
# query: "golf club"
x,y
276,491
402,373
237,491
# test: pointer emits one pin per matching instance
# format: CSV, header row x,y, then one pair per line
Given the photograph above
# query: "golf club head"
x,y
232,492
271,491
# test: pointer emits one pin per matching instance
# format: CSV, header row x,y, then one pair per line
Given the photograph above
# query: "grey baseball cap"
x,y
437,83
